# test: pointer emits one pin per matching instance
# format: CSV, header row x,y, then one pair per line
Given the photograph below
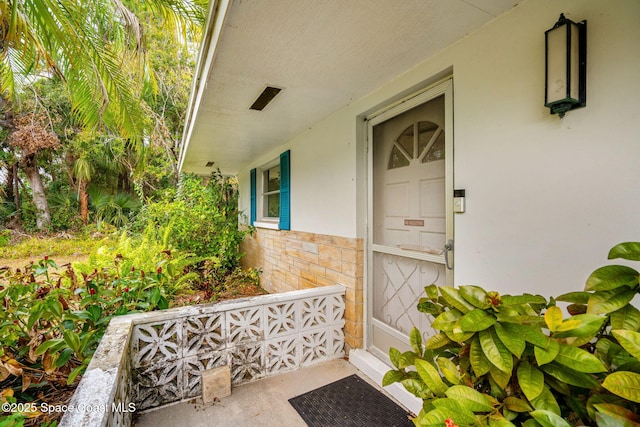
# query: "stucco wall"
x,y
546,198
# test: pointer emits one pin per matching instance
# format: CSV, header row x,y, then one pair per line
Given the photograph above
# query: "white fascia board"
x,y
216,17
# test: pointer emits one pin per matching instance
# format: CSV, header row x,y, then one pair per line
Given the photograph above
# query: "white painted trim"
x,y
449,177
423,256
410,102
216,17
383,327
368,255
391,106
375,369
271,225
263,221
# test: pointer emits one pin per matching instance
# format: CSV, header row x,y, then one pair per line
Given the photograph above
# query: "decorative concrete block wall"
x,y
292,260
256,337
152,359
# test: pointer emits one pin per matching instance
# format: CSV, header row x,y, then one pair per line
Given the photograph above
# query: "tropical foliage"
x,y
507,360
52,322
97,47
93,97
92,101
54,317
201,217
182,248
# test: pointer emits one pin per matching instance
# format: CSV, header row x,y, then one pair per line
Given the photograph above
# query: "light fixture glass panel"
x,y
565,56
557,64
574,72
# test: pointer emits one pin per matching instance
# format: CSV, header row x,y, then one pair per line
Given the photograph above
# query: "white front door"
x,y
410,221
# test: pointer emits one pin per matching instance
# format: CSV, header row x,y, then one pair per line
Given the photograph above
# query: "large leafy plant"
x,y
52,321
507,360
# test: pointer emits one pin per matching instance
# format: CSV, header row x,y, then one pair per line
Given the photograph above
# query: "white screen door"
x,y
410,214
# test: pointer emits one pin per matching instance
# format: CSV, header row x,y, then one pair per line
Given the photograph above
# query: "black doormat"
x,y
349,402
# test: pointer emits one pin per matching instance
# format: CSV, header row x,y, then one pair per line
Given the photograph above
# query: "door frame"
x,y
444,87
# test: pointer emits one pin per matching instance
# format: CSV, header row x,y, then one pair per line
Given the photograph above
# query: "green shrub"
x,y
113,209
144,252
7,210
201,218
51,323
502,360
5,237
64,208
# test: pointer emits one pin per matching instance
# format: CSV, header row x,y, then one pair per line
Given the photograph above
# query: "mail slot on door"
x,y
414,222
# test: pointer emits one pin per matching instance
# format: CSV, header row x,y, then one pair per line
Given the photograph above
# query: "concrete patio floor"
x,y
261,403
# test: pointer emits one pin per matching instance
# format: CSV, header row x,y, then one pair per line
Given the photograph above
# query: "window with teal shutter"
x,y
270,194
252,177
285,199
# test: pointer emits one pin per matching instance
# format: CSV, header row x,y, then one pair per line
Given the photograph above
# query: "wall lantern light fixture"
x,y
566,66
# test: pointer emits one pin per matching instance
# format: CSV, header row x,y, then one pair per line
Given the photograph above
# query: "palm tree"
x,y
82,169
96,47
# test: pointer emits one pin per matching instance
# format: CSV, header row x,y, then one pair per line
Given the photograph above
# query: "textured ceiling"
x,y
324,54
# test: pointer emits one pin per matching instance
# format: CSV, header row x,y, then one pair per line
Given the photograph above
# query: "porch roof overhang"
x,y
323,54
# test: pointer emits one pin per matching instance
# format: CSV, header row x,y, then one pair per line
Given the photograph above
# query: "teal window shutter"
x,y
254,207
285,198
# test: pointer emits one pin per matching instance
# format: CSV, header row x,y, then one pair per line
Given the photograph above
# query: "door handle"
x,y
448,247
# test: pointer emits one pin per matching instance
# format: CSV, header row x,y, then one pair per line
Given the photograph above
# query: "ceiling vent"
x,y
265,98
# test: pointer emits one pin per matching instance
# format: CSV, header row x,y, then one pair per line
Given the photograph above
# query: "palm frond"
x,y
96,47
82,168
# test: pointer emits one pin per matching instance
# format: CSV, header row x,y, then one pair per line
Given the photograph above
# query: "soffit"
x,y
324,54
